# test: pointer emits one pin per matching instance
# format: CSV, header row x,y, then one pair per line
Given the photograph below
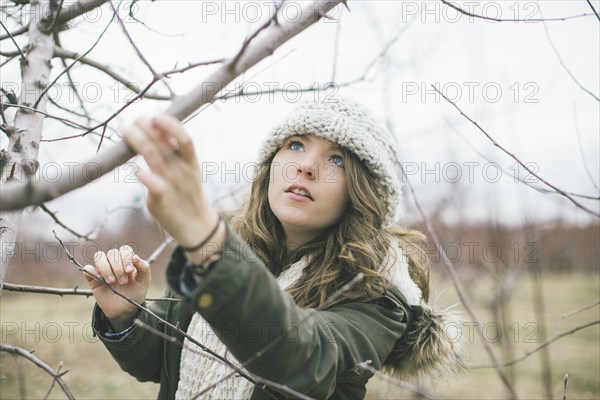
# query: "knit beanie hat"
x,y
350,125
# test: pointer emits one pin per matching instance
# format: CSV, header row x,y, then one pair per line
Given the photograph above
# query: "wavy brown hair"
x,y
356,243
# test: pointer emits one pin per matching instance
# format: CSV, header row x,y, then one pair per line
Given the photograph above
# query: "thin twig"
x,y
13,287
584,308
507,173
459,288
72,64
469,14
65,121
253,36
62,53
511,155
140,54
54,381
538,348
105,123
18,32
597,16
130,40
562,64
140,94
13,39
54,20
17,351
566,379
86,114
579,145
366,365
59,222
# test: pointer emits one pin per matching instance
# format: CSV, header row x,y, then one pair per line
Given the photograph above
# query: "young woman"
x,y
319,214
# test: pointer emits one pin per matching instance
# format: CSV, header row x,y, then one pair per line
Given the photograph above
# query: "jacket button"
x,y
205,300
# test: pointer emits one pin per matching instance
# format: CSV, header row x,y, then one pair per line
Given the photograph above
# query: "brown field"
x,y
58,330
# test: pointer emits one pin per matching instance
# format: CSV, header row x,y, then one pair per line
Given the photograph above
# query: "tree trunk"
x,y
21,158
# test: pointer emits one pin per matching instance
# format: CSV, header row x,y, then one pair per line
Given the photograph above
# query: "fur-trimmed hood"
x,y
432,345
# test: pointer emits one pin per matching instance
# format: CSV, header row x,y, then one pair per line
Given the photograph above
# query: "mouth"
x,y
300,191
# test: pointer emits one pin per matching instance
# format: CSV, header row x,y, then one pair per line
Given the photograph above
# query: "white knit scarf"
x,y
199,369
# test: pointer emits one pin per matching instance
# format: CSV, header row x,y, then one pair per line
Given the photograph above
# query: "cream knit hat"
x,y
351,125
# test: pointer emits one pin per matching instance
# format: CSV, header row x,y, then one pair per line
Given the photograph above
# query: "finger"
x,y
155,184
169,126
114,258
126,253
103,267
165,142
91,276
142,267
143,144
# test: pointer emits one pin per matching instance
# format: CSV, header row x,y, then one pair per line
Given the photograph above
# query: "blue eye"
x,y
295,145
337,160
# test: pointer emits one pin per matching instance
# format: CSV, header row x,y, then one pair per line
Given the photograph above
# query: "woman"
x,y
319,214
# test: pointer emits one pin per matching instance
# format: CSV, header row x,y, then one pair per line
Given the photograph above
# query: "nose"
x,y
309,168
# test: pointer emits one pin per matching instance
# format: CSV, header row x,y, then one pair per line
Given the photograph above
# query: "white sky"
x,y
530,105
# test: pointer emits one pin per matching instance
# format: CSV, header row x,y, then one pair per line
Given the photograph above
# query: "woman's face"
x,y
307,187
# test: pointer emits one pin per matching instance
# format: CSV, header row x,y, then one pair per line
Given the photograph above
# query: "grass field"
x,y
58,329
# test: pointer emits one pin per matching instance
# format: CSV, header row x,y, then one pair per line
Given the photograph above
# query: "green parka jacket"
x,y
320,359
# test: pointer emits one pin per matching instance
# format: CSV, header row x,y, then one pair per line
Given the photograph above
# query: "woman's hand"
x,y
175,195
128,274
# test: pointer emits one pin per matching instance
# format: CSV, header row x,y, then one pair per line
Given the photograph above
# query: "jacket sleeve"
x,y
313,350
139,352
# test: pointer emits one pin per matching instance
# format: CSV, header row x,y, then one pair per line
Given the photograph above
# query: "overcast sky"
x,y
505,76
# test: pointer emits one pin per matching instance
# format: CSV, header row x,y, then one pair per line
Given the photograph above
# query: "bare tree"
x,y
33,36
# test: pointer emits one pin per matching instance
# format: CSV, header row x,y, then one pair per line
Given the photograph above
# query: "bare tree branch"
x,y
63,61
366,365
562,64
597,16
67,14
53,381
17,32
55,19
130,39
580,147
559,191
73,11
507,173
459,288
541,346
17,351
67,122
13,39
60,223
62,53
19,195
13,287
469,14
584,308
48,86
